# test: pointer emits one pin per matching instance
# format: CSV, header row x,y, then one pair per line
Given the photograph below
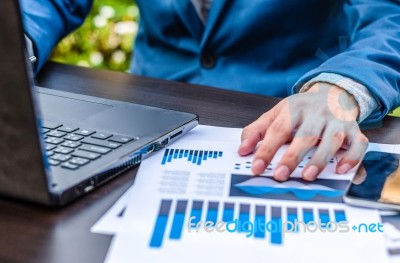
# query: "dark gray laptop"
x,y
56,146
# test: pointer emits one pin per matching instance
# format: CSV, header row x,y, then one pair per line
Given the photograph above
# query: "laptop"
x,y
56,146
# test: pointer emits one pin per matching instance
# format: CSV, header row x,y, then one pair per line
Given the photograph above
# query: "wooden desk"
x,y
30,233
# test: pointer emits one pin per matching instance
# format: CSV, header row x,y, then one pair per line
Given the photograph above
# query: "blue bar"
x,y
276,219
228,212
324,217
179,218
244,216
171,152
308,215
164,160
212,213
292,216
195,156
197,208
176,153
161,224
340,216
259,224
200,158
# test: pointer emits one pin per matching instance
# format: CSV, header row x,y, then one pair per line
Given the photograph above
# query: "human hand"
x,y
360,176
325,115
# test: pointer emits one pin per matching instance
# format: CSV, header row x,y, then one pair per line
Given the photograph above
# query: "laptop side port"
x,y
151,148
175,135
164,142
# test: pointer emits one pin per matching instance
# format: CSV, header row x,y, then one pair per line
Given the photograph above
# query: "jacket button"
x,y
208,60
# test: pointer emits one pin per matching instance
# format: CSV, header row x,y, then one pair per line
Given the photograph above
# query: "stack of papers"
x,y
197,201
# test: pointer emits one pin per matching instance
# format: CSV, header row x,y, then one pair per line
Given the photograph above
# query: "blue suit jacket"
x,y
264,47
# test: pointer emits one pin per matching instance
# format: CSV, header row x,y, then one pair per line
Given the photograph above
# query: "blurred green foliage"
x,y
105,40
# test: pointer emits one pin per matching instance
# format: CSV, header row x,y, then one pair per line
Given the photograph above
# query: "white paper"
x,y
223,179
110,221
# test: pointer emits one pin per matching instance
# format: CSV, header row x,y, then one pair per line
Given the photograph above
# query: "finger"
x,y
254,132
306,137
360,176
277,134
355,153
331,141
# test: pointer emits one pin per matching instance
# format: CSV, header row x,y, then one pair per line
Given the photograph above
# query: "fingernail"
x,y
282,173
243,143
258,166
344,168
310,173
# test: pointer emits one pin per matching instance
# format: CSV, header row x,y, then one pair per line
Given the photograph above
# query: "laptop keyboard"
x,y
71,147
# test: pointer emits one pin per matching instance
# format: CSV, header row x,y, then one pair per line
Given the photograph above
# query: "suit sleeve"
x,y
47,21
373,57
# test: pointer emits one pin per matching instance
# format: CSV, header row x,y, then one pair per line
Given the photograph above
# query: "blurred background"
x,y
106,38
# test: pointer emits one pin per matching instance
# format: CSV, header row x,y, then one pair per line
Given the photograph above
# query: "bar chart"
x,y
173,218
192,156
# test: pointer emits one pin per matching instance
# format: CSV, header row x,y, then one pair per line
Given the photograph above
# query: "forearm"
x,y
373,54
47,21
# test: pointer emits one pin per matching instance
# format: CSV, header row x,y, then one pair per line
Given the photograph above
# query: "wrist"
x,y
341,103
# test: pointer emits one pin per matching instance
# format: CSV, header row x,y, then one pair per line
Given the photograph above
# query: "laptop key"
x,y
63,150
57,134
73,137
107,144
78,161
53,162
84,132
54,140
60,157
120,139
50,125
68,129
50,147
70,166
94,148
101,135
71,144
86,155
45,130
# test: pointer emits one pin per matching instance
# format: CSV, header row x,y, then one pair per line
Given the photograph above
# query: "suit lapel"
x,y
189,17
213,15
